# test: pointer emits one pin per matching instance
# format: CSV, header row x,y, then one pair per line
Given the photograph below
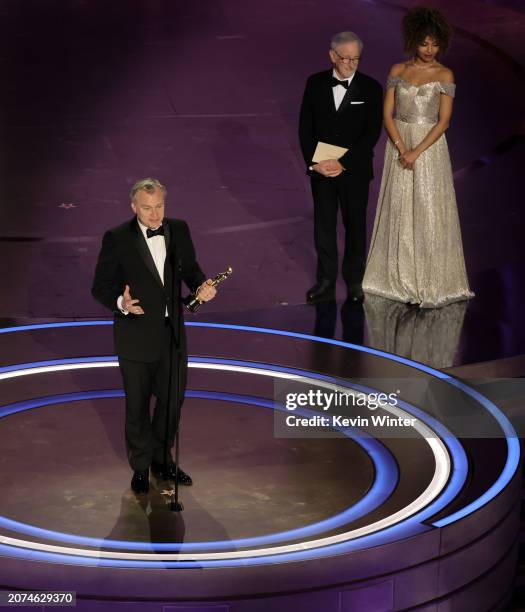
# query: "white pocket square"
x,y
354,102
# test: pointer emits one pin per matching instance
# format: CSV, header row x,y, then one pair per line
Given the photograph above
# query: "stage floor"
x,y
341,499
205,96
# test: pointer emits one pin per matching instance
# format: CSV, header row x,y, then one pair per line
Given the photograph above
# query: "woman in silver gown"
x,y
416,253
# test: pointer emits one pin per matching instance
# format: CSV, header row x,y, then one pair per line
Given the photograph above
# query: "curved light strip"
x,y
404,530
509,469
331,382
460,469
384,483
18,328
513,445
249,328
437,484
56,365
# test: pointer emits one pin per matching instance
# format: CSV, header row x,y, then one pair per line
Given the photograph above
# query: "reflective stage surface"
x,y
205,96
269,495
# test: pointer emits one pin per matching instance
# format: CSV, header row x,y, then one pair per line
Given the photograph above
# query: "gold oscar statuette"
x,y
193,303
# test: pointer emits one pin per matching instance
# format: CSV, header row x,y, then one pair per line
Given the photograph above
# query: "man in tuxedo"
x,y
340,107
138,274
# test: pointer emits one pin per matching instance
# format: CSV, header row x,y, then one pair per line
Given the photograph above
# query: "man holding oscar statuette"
x,y
138,275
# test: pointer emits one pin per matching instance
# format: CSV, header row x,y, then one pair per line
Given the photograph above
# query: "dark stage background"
x,y
205,97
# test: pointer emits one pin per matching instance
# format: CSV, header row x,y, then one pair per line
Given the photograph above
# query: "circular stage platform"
x,y
412,504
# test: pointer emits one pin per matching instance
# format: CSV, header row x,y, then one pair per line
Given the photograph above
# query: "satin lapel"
x,y
167,235
168,240
328,93
140,243
352,93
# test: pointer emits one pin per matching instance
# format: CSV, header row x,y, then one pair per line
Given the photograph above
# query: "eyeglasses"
x,y
349,60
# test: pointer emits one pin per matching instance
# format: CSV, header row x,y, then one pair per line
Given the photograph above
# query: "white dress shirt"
x,y
339,91
157,248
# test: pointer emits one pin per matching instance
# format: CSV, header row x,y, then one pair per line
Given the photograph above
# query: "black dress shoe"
x,y
355,294
322,290
162,473
140,481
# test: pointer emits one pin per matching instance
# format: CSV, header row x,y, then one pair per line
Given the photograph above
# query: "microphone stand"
x,y
175,504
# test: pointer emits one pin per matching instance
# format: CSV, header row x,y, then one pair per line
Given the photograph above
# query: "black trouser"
x,y
146,435
351,194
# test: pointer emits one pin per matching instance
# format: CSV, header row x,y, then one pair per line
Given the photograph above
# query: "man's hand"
x,y
206,291
128,303
329,168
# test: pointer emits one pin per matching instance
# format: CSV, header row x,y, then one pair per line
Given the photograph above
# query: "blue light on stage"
x,y
385,467
407,528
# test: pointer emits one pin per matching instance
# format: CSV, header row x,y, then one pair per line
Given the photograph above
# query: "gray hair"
x,y
341,38
149,185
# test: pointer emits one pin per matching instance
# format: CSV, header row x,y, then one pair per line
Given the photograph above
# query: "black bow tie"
x,y
158,232
338,82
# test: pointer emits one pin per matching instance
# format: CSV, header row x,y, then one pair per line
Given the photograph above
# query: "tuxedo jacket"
x,y
125,259
355,125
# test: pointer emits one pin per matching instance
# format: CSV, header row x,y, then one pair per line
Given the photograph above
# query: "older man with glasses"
x,y
341,107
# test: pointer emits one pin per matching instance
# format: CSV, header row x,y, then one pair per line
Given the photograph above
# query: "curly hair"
x,y
421,22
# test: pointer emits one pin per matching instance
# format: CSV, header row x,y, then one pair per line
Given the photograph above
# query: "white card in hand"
x,y
324,151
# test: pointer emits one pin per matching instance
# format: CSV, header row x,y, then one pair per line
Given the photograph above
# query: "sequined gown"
x,y
416,253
